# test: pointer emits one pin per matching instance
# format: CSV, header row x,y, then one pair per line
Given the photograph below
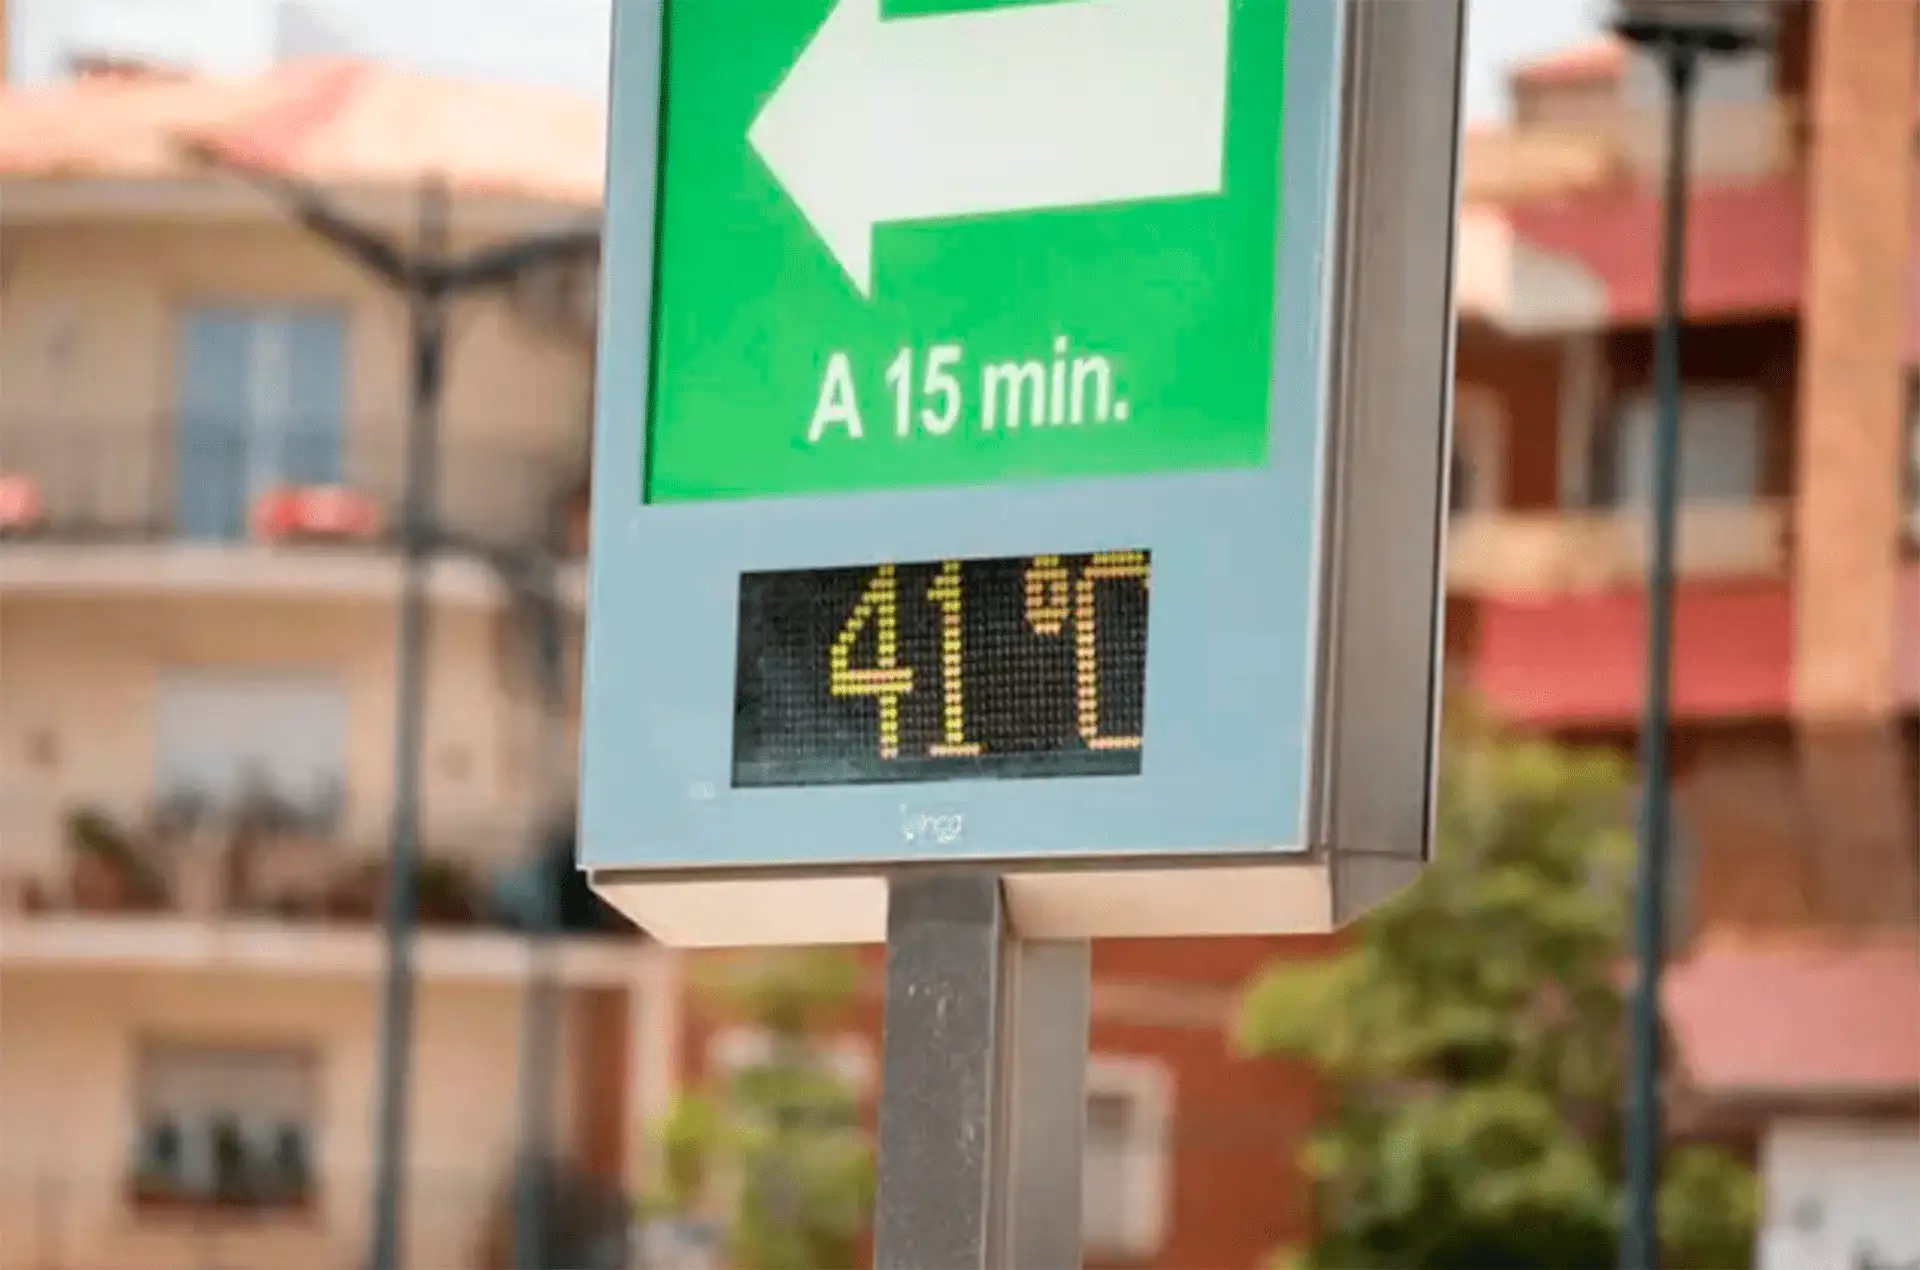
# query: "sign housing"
x,y
1021,442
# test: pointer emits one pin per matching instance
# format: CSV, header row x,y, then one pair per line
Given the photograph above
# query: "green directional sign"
x,y
916,243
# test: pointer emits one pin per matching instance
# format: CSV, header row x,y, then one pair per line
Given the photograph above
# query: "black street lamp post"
x,y
430,277
1678,34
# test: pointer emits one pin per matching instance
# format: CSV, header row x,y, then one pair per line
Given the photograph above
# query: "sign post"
x,y
1018,508
983,1102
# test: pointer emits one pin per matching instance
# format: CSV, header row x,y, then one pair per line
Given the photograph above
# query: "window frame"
x,y
1479,446
1612,451
173,689
737,1046
182,1190
1147,1169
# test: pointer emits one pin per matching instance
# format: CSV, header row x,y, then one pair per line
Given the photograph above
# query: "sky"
x,y
564,42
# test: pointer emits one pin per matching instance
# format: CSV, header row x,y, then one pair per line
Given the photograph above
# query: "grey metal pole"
x,y
428,320
1640,1243
983,1097
541,1013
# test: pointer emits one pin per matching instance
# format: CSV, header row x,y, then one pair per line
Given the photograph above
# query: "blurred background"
x,y
206,378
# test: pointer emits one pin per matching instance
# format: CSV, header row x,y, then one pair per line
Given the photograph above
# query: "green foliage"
x,y
1472,1034
776,1150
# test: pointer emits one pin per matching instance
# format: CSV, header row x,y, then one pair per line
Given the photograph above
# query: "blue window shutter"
x,y
261,400
316,399
211,424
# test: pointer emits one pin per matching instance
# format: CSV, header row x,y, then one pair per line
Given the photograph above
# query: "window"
x,y
224,1126
1124,1180
1473,483
1720,447
266,745
734,1049
260,399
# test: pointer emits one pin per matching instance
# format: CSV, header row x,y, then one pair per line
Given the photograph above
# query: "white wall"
x,y
1841,1196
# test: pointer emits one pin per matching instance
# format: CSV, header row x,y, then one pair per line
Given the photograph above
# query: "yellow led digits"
x,y
1048,593
1041,666
887,681
945,592
1115,565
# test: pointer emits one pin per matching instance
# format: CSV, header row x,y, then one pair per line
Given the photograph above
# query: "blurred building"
x,y
201,447
202,412
1796,1009
201,433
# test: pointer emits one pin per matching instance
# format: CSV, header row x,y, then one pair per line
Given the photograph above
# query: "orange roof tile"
x,y
1598,59
117,127
335,122
360,123
1798,1015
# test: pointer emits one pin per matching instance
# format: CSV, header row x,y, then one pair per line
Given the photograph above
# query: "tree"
x,y
1472,1036
775,1148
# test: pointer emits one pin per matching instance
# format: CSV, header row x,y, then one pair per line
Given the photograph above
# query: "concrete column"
x,y
1852,403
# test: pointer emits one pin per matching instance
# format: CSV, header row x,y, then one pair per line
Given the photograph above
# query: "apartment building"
x,y
1796,1004
202,409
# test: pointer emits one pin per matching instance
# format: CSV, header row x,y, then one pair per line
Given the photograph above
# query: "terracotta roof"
x,y
332,121
1596,60
1799,1015
1746,245
117,127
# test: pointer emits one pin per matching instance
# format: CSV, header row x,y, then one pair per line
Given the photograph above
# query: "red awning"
x,y
1746,246
1581,659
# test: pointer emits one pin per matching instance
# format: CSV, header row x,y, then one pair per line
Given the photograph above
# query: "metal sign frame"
x,y
1295,616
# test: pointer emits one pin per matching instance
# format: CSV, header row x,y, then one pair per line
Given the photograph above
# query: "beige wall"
x,y
67,1088
87,318
78,680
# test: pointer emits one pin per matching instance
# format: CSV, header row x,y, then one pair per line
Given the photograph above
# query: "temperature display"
x,y
1020,667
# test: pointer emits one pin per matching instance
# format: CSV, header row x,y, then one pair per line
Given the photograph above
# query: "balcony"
x,y
216,497
1733,142
1540,554
268,887
456,1220
1556,624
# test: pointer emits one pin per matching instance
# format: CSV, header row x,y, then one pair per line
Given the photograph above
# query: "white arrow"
x,y
1073,103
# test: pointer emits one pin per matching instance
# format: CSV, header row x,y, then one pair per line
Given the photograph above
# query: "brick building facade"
x,y
1795,1001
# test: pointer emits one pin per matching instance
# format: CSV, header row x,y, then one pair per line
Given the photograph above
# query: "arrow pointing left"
x,y
1073,103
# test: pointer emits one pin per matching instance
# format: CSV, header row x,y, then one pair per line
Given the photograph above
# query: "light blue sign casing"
x,y
1245,595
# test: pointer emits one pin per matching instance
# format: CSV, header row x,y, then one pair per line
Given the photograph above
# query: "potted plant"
x,y
108,871
447,892
157,1172
358,894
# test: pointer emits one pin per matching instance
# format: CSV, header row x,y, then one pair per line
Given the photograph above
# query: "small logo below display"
x,y
921,829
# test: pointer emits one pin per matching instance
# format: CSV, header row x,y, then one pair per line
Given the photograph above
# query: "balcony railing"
x,y
1540,553
89,1221
161,480
71,858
